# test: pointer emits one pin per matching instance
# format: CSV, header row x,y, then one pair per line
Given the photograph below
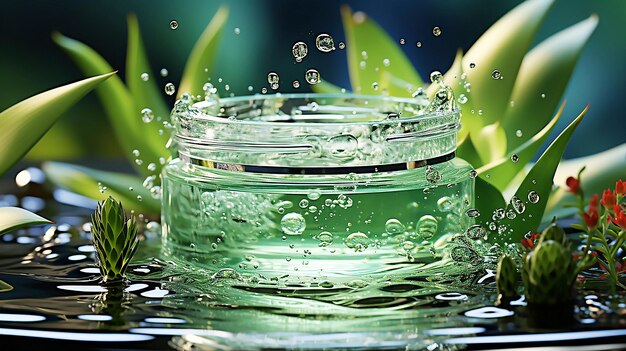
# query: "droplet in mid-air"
x,y
164,72
325,43
418,44
436,77
386,62
273,79
146,115
518,133
472,213
436,31
476,232
472,65
293,224
237,31
299,51
518,205
402,41
496,74
312,76
296,84
170,89
462,99
145,76
515,158
173,24
533,197
342,45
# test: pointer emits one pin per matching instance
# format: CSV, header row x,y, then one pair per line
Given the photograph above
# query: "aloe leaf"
x,y
502,171
542,79
465,149
539,180
24,123
602,171
4,287
84,181
363,34
324,87
123,112
203,55
12,218
145,93
492,144
502,47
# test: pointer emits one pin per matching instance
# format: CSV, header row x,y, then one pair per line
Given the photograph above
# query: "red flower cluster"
x,y
609,200
573,184
529,241
620,217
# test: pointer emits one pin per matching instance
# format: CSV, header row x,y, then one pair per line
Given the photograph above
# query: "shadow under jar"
x,y
313,187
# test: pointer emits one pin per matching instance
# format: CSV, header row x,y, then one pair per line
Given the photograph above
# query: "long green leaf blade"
x,y
365,35
502,171
539,180
84,181
12,218
145,93
502,47
203,55
488,198
123,112
24,123
542,79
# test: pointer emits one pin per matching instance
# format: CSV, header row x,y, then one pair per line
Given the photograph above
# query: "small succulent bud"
x,y
549,273
506,279
554,232
115,239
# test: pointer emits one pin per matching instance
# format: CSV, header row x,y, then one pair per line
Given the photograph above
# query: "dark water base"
x,y
57,302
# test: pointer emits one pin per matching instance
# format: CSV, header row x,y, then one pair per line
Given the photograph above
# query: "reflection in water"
x,y
57,292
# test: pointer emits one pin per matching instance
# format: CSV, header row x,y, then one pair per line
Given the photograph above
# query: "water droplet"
x,y
408,245
476,232
496,74
296,84
386,62
164,72
342,146
170,89
146,115
273,79
326,284
145,76
464,254
313,195
226,273
375,86
237,31
518,133
264,90
436,31
130,188
293,224
436,77
357,241
543,96
325,238
342,45
432,175
514,158
173,24
418,44
510,214
473,173
325,43
304,203
427,226
136,153
402,41
394,226
518,205
498,214
250,88
533,197
472,65
151,167
472,213
312,76
445,204
462,99
139,198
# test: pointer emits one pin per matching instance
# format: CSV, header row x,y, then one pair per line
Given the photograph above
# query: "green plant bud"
x,y
506,278
114,237
556,233
549,274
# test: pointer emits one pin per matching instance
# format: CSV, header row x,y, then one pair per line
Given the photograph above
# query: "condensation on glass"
x,y
313,186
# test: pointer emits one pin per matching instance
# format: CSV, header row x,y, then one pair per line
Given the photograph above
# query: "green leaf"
x,y
492,144
488,198
203,55
24,123
539,180
502,47
84,181
603,170
546,70
145,93
123,112
12,218
324,87
4,287
465,149
503,171
363,34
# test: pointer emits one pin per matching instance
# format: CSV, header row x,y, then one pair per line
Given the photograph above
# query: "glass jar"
x,y
313,186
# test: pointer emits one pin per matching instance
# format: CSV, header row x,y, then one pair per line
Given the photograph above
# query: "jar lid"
x,y
313,133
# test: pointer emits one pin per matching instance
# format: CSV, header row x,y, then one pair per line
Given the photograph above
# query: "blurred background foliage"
x,y
30,62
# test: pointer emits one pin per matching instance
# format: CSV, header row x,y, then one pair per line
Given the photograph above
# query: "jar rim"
x,y
201,109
